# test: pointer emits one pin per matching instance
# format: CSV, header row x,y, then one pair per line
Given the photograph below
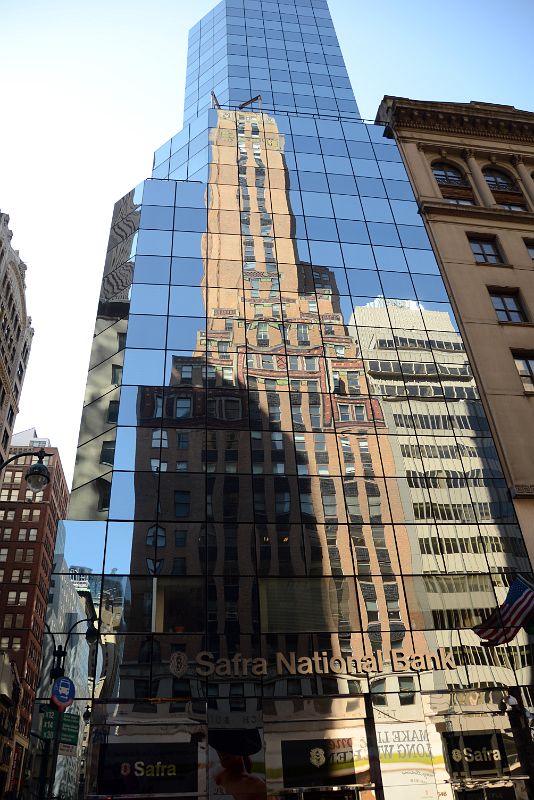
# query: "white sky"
x,y
91,89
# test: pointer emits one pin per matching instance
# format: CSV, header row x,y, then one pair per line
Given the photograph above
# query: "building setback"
x,y
471,166
286,483
28,524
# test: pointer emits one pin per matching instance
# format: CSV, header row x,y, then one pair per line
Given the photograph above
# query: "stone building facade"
x,y
471,166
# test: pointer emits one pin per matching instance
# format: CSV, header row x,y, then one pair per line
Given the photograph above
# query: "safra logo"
x,y
317,757
143,770
178,664
470,755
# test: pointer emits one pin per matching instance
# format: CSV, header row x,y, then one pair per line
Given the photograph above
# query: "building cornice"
x,y
482,120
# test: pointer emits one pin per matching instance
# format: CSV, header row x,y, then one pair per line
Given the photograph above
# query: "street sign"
x,y
63,692
49,724
70,729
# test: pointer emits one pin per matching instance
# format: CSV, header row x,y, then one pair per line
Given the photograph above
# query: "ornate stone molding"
x,y
465,119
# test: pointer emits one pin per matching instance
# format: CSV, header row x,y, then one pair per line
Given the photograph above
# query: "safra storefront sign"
x,y
319,663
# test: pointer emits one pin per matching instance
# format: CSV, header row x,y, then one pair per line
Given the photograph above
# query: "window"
x,y
344,412
158,406
182,502
359,413
303,336
107,453
282,502
182,441
293,363
116,373
499,181
455,187
485,251
156,465
507,306
178,566
154,566
525,367
183,407
180,538
263,333
113,411
228,376
513,206
446,174
187,374
210,375
277,441
160,438
182,466
530,249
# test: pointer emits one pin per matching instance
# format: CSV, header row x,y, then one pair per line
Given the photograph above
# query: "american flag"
x,y
507,620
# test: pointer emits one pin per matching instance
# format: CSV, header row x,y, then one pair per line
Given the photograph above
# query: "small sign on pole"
x,y
70,729
49,724
63,693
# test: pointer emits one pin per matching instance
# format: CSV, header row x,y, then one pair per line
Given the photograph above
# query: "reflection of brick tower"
x,y
277,356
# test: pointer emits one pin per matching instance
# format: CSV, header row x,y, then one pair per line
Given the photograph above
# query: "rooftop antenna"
x,y
215,102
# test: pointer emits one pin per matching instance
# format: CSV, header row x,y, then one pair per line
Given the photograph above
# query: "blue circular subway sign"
x,y
63,693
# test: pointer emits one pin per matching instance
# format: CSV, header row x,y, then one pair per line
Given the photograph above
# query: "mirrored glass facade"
x,y
287,498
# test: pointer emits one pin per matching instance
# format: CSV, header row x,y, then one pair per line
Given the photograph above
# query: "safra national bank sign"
x,y
319,663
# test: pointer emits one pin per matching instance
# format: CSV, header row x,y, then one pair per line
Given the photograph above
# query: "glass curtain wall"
x,y
287,498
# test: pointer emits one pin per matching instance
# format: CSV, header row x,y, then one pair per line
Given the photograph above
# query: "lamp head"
x,y
91,634
38,475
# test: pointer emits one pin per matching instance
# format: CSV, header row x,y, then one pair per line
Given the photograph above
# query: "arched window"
x,y
505,189
454,185
448,175
499,181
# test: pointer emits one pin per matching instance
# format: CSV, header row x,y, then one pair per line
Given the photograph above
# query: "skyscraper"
x,y
16,333
283,452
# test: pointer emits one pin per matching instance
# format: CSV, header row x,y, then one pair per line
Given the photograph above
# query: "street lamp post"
x,y
58,671
38,475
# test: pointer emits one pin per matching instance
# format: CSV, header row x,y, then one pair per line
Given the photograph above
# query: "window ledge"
x,y
503,264
511,324
434,205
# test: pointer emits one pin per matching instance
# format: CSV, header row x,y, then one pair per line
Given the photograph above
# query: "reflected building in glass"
x,y
286,487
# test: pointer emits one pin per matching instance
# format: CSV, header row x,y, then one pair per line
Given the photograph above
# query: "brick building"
x,y
27,536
